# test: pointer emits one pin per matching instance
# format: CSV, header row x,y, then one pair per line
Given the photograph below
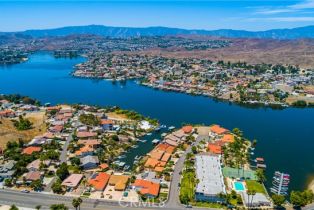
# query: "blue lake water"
x,y
285,137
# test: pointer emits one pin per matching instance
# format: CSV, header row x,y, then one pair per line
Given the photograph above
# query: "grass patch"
x,y
209,205
256,186
187,187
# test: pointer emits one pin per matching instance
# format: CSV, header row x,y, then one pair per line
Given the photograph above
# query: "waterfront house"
x,y
209,174
146,188
119,182
216,130
187,129
99,181
89,162
72,181
227,138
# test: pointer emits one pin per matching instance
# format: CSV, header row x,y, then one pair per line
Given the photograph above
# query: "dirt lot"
x,y
115,116
292,99
9,133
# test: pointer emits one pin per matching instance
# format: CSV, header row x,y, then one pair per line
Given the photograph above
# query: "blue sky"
x,y
205,14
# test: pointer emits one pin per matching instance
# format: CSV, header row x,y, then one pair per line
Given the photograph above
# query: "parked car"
x,y
25,191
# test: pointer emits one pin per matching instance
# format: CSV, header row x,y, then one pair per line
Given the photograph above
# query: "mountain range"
x,y
123,32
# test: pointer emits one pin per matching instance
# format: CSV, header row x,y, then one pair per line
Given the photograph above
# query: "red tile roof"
x,y
218,130
214,148
30,150
147,187
86,134
99,181
187,129
106,122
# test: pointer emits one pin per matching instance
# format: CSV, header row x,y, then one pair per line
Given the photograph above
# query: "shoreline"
x,y
310,186
247,104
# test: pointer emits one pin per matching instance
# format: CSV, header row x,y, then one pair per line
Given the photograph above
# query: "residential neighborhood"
x,y
260,84
79,155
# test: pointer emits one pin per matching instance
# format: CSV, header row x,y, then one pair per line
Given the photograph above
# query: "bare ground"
x,y
9,133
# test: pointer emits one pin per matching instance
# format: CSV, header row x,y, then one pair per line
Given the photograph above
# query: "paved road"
x,y
63,159
173,201
63,155
32,199
309,207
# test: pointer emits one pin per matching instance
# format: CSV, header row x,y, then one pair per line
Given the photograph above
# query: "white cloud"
x,y
273,11
308,4
283,19
292,19
299,7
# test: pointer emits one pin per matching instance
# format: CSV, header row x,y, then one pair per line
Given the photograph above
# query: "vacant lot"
x,y
9,133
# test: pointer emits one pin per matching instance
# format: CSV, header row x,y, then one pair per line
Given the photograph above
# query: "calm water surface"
x,y
285,137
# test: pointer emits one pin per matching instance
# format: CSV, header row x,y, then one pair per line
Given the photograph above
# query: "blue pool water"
x,y
239,186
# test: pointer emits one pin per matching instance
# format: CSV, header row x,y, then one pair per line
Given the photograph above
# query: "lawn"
x,y
187,185
256,186
209,205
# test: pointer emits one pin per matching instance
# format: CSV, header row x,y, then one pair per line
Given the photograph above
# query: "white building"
x,y
209,174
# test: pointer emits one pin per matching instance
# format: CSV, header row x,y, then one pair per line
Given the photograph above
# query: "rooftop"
x,y
208,172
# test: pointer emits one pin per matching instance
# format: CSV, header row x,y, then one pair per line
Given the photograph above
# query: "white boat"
x,y
148,134
121,156
155,141
121,164
135,146
171,128
163,134
143,140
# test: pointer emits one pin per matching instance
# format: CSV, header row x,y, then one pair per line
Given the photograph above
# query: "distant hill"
x,y
123,32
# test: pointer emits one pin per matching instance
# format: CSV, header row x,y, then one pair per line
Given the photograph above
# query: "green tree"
x,y
76,203
301,198
8,182
260,173
63,172
89,119
194,149
22,124
58,207
38,207
13,207
184,199
36,185
57,187
278,200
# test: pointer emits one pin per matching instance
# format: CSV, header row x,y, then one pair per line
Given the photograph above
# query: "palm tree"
x,y
80,201
253,194
75,203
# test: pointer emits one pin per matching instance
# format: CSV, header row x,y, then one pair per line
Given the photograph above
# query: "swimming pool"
x,y
239,186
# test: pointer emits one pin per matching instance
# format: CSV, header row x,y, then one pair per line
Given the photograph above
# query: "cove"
x,y
285,137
